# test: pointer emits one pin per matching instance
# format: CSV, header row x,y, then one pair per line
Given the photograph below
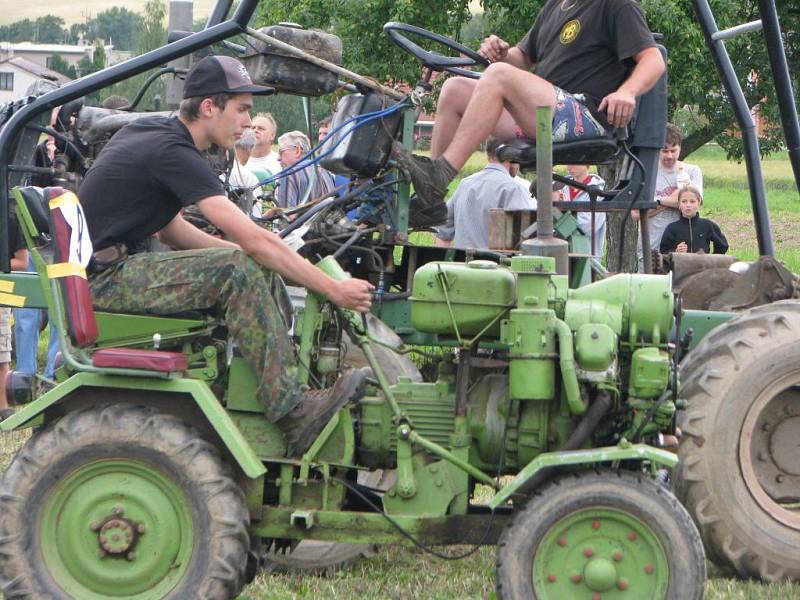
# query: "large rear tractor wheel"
x,y
739,473
601,535
121,502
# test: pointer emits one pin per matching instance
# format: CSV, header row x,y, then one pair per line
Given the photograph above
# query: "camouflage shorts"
x,y
224,283
5,336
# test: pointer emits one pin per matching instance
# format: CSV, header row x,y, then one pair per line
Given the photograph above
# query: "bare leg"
x,y
502,86
453,101
3,373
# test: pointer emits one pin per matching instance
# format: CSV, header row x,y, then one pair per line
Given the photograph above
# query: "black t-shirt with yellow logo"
x,y
587,46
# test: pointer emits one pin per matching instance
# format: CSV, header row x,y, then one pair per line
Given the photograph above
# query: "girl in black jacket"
x,y
691,233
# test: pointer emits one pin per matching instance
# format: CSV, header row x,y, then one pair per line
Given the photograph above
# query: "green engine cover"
x,y
649,373
479,293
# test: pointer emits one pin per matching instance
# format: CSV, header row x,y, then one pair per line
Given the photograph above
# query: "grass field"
x,y
399,573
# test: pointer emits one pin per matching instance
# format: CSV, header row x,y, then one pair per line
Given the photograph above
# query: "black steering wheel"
x,y
433,60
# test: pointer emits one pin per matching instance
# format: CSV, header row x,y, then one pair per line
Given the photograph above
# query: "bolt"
x,y
622,584
595,335
779,478
575,578
551,578
765,427
562,542
588,552
434,469
95,526
131,556
596,525
117,510
101,554
103,539
761,456
596,597
632,536
649,569
140,528
617,556
438,483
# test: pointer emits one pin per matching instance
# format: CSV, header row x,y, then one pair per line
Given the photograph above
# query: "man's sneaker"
x,y
302,426
430,177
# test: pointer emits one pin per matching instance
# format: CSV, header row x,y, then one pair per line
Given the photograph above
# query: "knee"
x,y
498,74
456,92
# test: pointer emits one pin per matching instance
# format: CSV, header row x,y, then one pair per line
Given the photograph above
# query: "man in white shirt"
x,y
241,180
580,173
263,156
468,210
673,175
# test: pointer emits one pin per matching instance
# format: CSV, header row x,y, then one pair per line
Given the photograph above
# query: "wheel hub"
x,y
117,535
769,446
600,574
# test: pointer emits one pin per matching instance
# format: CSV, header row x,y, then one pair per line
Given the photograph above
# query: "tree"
x,y
120,26
50,30
60,65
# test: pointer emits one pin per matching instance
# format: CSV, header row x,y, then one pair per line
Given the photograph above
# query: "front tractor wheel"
x,y
599,535
121,502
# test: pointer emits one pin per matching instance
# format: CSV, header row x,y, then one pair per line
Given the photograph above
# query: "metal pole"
x,y
180,19
752,155
544,172
783,83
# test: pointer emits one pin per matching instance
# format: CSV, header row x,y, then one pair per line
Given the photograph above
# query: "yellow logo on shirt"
x,y
570,31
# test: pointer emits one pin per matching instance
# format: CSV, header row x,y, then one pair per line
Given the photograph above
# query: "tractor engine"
x,y
532,358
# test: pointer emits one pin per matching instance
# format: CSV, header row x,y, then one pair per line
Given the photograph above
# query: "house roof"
x,y
51,48
38,70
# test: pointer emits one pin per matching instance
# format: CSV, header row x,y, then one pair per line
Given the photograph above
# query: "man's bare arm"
x,y
620,104
182,235
269,250
498,50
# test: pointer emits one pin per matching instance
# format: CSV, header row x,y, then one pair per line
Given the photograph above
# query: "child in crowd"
x,y
691,233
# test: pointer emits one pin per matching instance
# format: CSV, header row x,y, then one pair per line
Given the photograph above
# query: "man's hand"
x,y
494,48
353,294
682,248
619,107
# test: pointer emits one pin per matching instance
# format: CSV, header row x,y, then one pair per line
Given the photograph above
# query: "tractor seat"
x,y
590,151
72,251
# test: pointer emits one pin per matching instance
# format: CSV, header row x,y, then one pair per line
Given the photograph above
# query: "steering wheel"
x,y
433,60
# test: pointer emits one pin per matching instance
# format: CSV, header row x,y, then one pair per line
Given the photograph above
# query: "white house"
x,y
17,74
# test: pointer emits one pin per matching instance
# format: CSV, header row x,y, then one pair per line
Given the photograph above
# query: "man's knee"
x,y
456,92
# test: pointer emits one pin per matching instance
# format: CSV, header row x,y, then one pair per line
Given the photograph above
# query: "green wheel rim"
x,y
602,554
116,529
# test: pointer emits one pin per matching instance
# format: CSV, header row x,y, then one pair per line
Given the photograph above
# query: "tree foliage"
x,y
48,29
58,64
693,81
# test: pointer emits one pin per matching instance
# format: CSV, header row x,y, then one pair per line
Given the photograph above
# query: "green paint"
x,y
623,451
601,551
649,374
27,285
199,391
130,330
242,384
702,322
94,564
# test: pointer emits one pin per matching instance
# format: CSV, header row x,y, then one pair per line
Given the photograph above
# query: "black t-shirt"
x,y
587,46
144,176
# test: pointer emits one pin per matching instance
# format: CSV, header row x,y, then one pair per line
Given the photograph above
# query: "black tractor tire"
x,y
66,470
738,473
607,498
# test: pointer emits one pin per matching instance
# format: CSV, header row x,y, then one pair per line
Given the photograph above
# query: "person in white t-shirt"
x,y
263,156
513,170
672,176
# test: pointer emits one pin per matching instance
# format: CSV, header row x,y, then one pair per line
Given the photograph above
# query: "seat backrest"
x,y
72,251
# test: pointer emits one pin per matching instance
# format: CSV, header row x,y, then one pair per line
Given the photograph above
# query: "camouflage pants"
x,y
225,283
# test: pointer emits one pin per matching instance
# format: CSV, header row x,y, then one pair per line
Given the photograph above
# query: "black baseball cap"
x,y
221,75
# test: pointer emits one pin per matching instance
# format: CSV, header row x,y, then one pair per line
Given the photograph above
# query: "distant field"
x,y
75,11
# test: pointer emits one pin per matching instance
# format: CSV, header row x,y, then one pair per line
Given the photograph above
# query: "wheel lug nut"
x,y
140,528
622,584
617,556
103,539
117,510
101,554
131,556
596,525
95,526
765,427
762,457
551,578
779,478
632,536
649,569
575,578
588,552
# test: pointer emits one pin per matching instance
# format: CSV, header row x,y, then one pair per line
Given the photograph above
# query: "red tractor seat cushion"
x,y
135,358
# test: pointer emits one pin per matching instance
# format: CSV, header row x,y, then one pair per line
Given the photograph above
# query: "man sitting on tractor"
x,y
592,60
149,171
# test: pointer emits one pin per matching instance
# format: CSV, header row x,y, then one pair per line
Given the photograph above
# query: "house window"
x,y
6,81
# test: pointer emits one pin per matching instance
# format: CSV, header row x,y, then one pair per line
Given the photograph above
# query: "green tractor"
x,y
153,473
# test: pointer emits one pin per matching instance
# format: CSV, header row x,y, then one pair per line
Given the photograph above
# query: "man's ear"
x,y
206,107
